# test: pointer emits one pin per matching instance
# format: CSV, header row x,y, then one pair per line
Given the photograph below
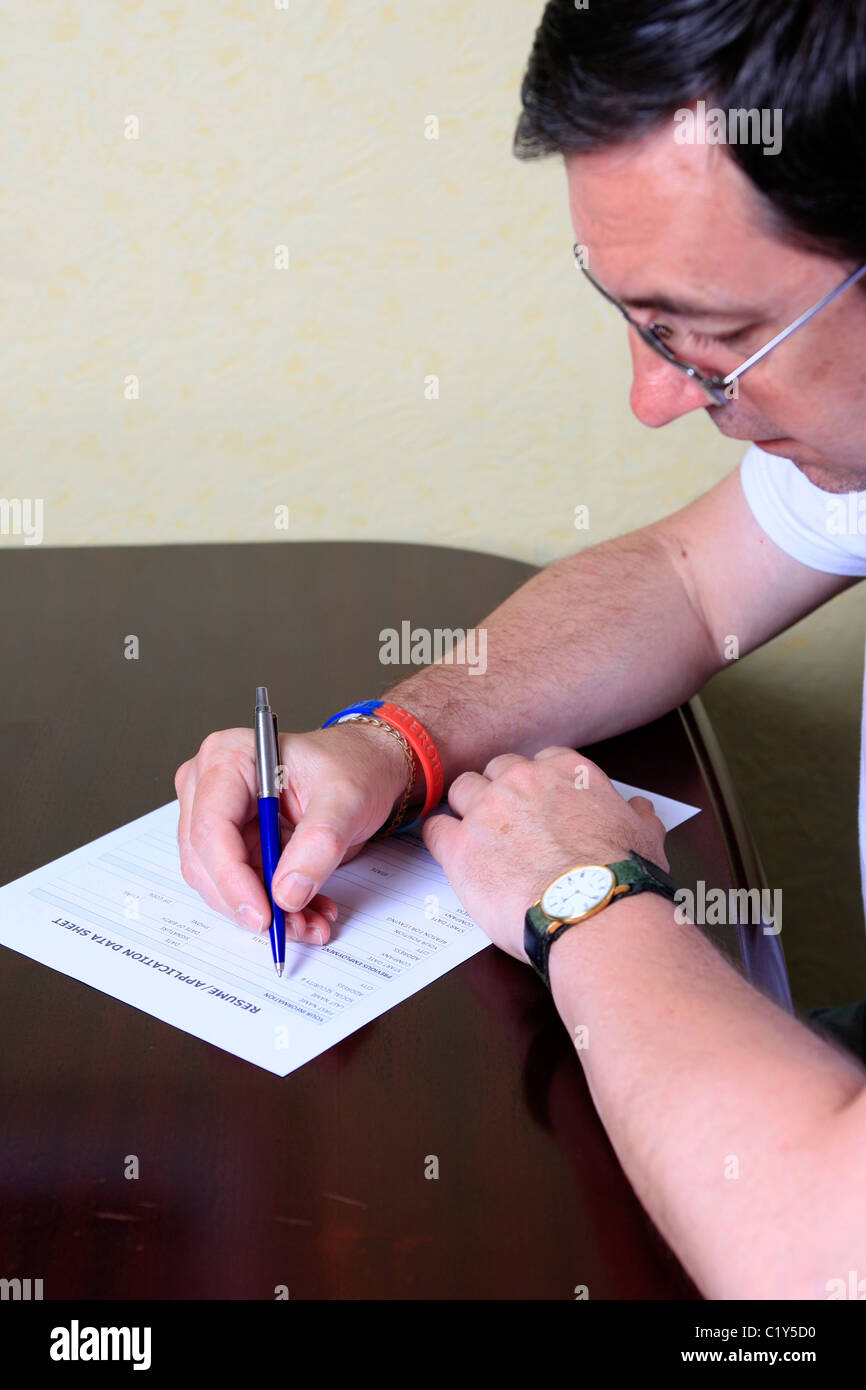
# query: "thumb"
x,y
320,840
655,850
440,834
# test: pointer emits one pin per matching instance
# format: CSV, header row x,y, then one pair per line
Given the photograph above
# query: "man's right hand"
x,y
339,787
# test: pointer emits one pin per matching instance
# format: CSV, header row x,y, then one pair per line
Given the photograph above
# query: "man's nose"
x,y
660,392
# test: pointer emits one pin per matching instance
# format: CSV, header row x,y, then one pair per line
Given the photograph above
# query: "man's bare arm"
x,y
741,1131
617,635
599,643
739,580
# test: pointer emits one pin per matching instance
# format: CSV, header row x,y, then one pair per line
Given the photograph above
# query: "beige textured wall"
x,y
261,387
305,387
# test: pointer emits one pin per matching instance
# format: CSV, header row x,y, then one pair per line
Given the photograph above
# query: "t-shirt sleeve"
x,y
820,529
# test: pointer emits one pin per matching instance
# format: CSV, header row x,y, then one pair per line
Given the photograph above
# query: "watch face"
x,y
578,891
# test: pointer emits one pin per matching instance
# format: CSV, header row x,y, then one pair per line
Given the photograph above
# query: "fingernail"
x,y
293,892
250,918
330,913
318,935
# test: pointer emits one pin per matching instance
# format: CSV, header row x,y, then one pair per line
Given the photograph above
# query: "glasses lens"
x,y
662,346
657,344
711,390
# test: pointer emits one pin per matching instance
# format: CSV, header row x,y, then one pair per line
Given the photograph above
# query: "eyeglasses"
x,y
654,335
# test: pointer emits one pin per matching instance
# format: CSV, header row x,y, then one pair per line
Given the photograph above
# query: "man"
x,y
721,247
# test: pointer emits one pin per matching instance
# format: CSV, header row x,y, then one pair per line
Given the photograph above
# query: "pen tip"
x,y
280,968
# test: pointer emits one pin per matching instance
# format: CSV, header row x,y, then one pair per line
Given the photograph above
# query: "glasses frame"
x,y
713,386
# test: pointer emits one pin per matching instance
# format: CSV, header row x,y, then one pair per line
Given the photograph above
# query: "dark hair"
x,y
612,72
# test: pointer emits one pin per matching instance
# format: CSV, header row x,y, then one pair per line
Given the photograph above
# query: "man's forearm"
x,y
594,645
728,1116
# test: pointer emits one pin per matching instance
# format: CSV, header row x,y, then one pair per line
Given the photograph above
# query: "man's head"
x,y
749,238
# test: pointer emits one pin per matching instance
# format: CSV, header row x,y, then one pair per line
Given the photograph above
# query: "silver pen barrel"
x,y
267,748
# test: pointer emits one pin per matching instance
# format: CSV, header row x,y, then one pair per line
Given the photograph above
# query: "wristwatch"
x,y
580,893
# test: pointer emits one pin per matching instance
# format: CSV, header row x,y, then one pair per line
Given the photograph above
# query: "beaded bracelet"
x,y
400,810
425,751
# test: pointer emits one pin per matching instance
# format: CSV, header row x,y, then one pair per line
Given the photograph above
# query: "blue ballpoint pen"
x,y
267,777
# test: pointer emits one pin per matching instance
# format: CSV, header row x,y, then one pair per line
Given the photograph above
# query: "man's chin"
x,y
781,445
804,458
776,446
821,471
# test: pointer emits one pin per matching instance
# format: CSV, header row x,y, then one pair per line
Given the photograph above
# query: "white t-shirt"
x,y
824,530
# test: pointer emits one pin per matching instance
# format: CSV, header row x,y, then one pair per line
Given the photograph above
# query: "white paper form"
x,y
117,915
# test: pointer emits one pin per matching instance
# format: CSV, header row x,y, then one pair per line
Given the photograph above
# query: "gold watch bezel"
x,y
556,922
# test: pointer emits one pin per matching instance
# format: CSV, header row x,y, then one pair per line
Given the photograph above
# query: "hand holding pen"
x,y
338,786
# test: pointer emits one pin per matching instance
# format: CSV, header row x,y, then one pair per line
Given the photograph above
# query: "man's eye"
x,y
710,340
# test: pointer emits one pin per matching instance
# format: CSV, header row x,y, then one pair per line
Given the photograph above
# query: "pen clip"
x,y
267,746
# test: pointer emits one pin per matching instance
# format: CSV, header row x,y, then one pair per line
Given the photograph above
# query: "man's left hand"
x,y
524,821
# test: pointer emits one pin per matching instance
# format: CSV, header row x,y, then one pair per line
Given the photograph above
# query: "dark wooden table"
x,y
314,1181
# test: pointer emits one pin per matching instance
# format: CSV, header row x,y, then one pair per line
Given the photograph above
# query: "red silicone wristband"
x,y
422,746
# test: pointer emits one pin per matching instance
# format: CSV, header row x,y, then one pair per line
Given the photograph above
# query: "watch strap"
x,y
641,874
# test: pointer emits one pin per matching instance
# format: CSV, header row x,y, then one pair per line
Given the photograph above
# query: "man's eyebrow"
x,y
689,308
